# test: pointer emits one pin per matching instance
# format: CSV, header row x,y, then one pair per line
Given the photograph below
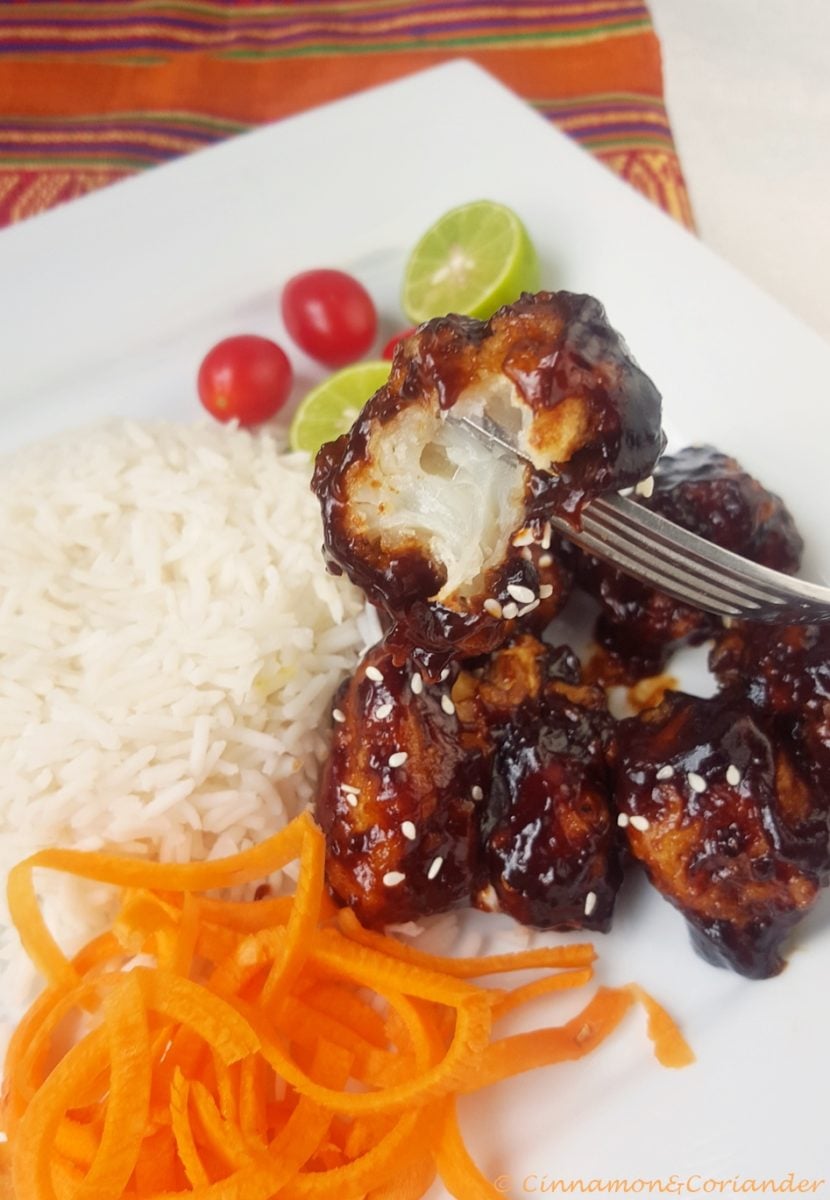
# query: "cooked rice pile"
x,y
169,644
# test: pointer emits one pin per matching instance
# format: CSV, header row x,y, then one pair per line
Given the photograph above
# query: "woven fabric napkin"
x,y
92,92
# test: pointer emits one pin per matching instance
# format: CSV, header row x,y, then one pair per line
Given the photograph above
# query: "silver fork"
x,y
656,551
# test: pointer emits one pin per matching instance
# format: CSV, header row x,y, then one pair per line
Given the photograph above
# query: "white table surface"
x,y
748,93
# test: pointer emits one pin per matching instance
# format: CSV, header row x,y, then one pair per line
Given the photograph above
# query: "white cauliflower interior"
x,y
433,483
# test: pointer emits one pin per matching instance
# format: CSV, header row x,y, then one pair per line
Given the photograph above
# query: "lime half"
x,y
332,407
472,260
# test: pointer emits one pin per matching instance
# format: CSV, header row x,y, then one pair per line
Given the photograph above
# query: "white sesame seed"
x,y
590,903
665,772
524,595
545,560
416,683
393,878
733,775
351,799
545,591
476,792
347,787
374,674
382,711
493,608
409,831
696,782
434,867
528,608
622,820
527,554
523,538
639,823
338,715
445,674
398,758
510,611
447,705
546,535
645,487
728,622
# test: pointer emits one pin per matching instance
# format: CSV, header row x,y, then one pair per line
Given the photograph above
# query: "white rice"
x,y
169,644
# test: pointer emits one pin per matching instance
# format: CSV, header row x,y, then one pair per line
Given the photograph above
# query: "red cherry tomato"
x,y
245,377
329,315
392,344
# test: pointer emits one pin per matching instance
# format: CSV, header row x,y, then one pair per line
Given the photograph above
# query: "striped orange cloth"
x,y
91,92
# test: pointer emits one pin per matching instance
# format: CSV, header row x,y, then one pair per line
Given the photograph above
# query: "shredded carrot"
x,y
410,1183
261,1049
504,1001
577,955
188,1152
458,1172
6,1192
670,1047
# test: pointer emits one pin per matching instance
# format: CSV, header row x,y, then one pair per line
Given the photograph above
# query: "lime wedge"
x,y
332,407
472,260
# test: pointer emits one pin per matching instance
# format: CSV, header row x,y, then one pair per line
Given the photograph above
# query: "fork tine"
x,y
781,594
653,532
647,574
651,569
756,592
625,521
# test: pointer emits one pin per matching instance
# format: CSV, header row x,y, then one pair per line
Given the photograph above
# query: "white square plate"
x,y
108,305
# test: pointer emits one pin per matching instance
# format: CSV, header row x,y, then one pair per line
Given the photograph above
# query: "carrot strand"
x,y
504,1002
459,1174
577,955
194,1168
128,1101
670,1047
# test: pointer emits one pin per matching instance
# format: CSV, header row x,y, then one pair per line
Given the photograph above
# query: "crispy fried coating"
x,y
707,493
549,856
710,803
429,521
397,798
507,686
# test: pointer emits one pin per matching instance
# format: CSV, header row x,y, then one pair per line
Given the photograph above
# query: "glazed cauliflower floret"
x,y
399,796
432,522
724,824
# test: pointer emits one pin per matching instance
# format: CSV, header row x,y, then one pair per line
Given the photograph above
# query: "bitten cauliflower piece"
x,y
432,522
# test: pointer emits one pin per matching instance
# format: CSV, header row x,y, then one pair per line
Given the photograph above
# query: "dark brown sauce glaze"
x,y
547,832
401,840
708,799
548,835
588,403
784,668
707,493
785,673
